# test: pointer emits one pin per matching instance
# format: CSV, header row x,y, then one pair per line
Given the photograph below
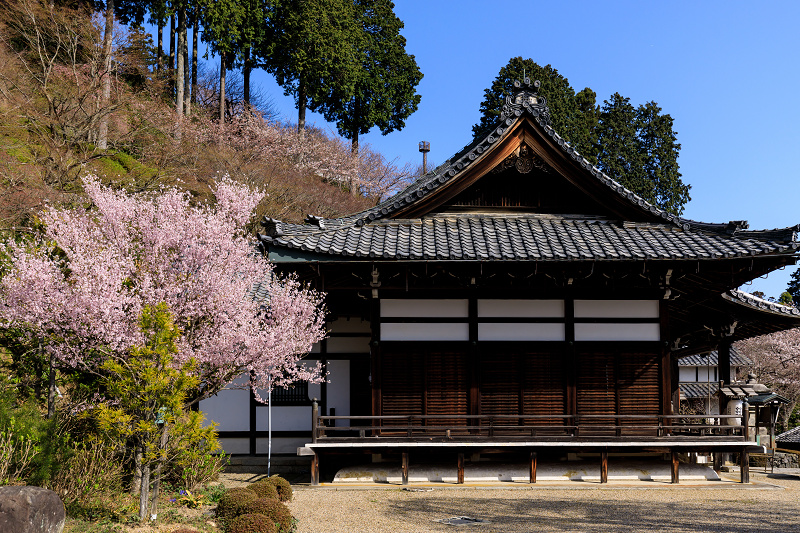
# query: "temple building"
x,y
515,299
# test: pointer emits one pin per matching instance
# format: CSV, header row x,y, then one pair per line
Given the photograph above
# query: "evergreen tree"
x,y
794,286
635,146
566,110
384,88
659,149
310,47
618,145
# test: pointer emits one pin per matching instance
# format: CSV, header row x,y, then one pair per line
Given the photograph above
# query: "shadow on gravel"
x,y
535,514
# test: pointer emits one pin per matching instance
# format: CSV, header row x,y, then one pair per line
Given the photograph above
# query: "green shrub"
x,y
195,456
281,485
250,523
264,489
229,503
272,509
213,493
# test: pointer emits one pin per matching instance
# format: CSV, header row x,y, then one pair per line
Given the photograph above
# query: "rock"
x,y
31,510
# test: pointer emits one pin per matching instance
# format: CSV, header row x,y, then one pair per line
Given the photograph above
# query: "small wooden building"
x,y
516,298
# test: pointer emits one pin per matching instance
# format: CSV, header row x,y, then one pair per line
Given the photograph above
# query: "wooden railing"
x,y
467,428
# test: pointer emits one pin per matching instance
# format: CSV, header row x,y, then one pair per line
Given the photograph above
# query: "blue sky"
x,y
728,73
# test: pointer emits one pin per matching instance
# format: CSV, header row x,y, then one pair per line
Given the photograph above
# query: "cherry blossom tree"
x,y
776,363
82,286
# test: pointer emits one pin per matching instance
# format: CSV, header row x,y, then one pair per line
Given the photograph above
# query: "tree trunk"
x,y
136,483
179,71
246,69
222,70
171,72
102,133
354,145
194,57
159,471
301,107
144,494
160,62
187,79
51,390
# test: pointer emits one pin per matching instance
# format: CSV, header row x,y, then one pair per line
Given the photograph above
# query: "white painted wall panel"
x,y
230,407
520,332
235,445
282,444
339,389
426,308
617,332
284,418
687,373
424,332
616,308
348,325
520,308
348,345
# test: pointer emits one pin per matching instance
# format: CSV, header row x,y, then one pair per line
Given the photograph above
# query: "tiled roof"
x,y
793,435
711,359
374,233
523,237
745,298
743,390
690,391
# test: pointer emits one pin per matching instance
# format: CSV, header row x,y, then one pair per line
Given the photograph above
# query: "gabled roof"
x,y
407,226
712,359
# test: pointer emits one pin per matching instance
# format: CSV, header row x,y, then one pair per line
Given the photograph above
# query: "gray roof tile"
x,y
524,237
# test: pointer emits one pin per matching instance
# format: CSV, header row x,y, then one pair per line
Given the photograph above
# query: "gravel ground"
x,y
771,503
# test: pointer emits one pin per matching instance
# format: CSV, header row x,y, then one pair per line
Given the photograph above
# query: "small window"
x,y
297,394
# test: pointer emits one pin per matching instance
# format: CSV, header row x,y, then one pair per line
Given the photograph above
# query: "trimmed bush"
x,y
265,489
272,509
229,504
250,523
281,485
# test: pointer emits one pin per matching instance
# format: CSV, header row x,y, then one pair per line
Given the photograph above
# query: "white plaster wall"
x,y
426,308
282,445
616,308
230,407
520,332
424,332
617,332
235,445
284,418
339,389
686,373
521,308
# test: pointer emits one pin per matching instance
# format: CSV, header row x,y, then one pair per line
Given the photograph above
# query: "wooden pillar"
x,y
724,360
404,467
375,359
676,464
717,461
604,466
745,465
666,364
315,469
532,477
570,358
460,469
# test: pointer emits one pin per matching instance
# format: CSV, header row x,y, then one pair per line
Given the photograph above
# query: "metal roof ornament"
x,y
526,97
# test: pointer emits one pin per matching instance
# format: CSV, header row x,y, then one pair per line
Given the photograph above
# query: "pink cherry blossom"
x,y
82,286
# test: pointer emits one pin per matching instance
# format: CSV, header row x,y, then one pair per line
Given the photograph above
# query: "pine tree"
x,y
618,145
384,89
573,117
310,47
